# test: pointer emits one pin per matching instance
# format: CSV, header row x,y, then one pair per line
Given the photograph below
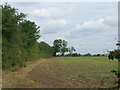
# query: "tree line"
x,y
61,46
19,40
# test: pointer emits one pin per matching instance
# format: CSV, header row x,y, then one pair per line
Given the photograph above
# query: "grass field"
x,y
71,72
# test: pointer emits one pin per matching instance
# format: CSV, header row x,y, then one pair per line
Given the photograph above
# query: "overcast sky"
x,y
91,27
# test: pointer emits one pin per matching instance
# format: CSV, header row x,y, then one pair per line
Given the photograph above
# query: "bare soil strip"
x,y
49,73
18,78
52,74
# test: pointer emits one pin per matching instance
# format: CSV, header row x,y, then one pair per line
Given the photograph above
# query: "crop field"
x,y
59,45
67,72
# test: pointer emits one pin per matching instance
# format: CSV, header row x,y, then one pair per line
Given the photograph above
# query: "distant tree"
x,y
88,54
103,55
76,54
98,55
71,50
64,47
60,46
57,44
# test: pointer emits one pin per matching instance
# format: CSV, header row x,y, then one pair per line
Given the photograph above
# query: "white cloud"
x,y
57,23
93,25
54,25
89,27
103,26
112,21
51,12
62,1
90,34
40,13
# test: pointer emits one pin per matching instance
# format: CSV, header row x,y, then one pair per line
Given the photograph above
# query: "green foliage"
x,y
57,45
31,32
19,38
117,54
76,54
11,36
10,20
71,50
60,46
88,54
45,50
64,47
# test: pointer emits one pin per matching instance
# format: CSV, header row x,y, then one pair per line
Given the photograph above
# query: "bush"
x,y
20,39
117,54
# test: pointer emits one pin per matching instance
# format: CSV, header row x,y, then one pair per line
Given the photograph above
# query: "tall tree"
x,y
57,44
19,37
10,20
60,46
64,47
31,33
11,34
71,50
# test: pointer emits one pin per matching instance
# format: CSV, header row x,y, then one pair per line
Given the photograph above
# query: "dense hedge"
x,y
116,53
19,39
45,50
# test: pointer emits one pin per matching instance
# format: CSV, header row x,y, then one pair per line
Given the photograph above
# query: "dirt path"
x,y
50,73
18,78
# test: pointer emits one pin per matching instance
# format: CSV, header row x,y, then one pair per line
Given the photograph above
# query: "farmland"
x,y
58,45
65,72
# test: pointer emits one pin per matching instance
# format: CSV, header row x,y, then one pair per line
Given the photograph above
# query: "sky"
x,y
91,27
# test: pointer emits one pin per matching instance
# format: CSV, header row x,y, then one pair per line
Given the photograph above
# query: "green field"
x,y
76,72
65,72
99,64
